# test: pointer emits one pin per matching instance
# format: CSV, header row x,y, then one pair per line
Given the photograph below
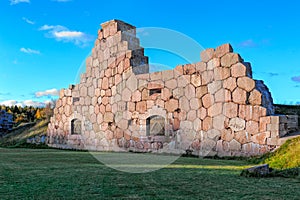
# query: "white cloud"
x,y
13,2
61,33
29,51
68,34
51,102
25,103
28,21
33,103
47,27
51,92
9,102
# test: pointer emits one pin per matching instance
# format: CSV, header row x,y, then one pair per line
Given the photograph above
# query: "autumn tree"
x,y
38,114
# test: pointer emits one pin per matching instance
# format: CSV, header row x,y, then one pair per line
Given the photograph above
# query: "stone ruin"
x,y
212,107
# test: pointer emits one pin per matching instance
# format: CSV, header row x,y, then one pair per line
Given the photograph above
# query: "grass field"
x,y
19,135
57,174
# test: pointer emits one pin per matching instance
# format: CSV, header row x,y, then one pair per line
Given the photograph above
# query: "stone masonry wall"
x,y
212,107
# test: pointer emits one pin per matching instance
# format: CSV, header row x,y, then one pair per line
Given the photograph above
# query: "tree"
x,y
20,118
48,111
16,110
38,114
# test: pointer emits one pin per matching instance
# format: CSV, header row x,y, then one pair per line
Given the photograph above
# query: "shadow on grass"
x,y
45,173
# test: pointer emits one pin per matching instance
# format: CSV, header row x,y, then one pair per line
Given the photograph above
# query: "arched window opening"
x,y
75,127
155,125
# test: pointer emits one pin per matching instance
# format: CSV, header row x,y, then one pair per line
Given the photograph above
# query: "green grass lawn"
x,y
57,174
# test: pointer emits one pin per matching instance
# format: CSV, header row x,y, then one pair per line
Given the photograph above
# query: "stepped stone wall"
x,y
212,107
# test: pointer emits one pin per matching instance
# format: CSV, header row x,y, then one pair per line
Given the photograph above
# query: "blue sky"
x,y
44,42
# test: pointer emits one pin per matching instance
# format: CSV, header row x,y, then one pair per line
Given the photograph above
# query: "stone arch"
x,y
155,126
76,127
153,114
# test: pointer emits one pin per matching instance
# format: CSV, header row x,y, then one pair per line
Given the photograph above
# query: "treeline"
x,y
28,113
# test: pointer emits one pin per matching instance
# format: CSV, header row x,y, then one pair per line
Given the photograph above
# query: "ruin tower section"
x,y
212,107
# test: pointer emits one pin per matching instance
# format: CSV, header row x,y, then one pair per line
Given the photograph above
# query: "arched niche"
x,y
76,127
155,126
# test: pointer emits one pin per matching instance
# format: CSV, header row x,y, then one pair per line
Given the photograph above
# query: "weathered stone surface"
x,y
238,70
237,124
108,117
229,59
126,94
261,170
212,107
105,100
246,83
189,91
184,104
261,138
172,84
230,84
255,97
263,122
227,135
141,106
171,105
105,83
200,66
234,145
242,137
178,70
195,103
136,96
239,96
192,115
167,75
207,54
214,134
213,63
272,141
208,145
207,123
201,91
230,110
183,80
186,125
83,91
252,127
221,73
132,83
196,80
215,109
202,113
223,49
207,77
207,100
189,69
155,76
223,95
197,124
214,87
166,94
218,122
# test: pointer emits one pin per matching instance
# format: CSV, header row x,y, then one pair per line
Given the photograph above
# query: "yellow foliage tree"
x,y
38,114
